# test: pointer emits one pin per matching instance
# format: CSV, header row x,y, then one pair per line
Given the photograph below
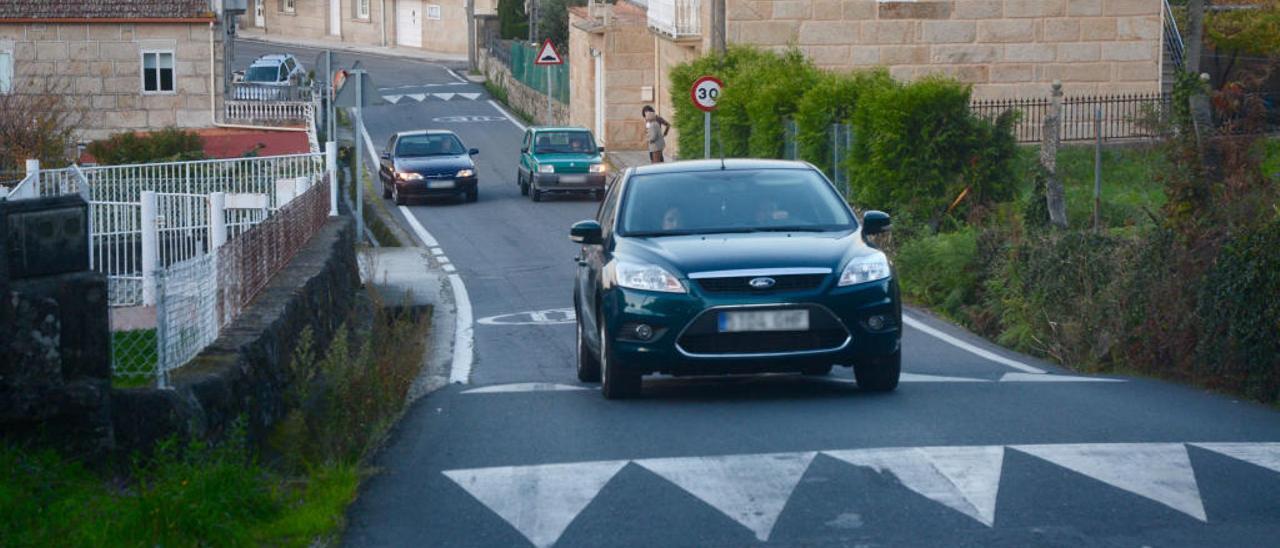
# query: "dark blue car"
x,y
427,164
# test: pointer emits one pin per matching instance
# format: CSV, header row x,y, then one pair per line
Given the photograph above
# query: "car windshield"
x,y
262,73
711,202
564,142
429,145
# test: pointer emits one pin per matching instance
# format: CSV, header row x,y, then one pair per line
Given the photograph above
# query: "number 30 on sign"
x,y
705,92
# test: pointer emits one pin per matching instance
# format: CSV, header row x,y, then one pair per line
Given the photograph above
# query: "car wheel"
x,y
588,362
395,195
616,383
386,192
879,374
524,187
473,195
535,194
598,195
817,371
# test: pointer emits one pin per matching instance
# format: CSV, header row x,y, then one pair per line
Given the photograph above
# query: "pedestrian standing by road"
x,y
655,132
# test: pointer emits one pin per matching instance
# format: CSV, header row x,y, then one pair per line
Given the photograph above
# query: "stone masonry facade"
x,y
99,65
1005,48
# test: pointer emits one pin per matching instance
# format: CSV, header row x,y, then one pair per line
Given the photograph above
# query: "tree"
x,y
553,21
1251,28
513,23
37,125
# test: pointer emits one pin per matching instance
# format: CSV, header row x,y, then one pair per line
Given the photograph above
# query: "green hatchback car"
x,y
560,160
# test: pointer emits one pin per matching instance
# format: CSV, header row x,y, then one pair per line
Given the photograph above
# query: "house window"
x,y
362,9
157,72
433,12
287,6
6,72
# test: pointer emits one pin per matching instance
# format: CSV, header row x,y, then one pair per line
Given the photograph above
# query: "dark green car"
x,y
560,160
736,266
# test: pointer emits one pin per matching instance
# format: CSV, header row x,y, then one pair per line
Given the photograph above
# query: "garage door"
x,y
409,23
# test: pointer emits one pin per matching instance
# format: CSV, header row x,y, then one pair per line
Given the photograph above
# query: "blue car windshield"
x,y
724,201
442,144
262,73
564,142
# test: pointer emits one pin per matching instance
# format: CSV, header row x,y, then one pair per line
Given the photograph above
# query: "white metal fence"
x,y
271,112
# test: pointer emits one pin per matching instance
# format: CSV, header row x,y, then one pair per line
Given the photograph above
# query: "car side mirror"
x,y
875,222
524,150
586,232
386,155
473,151
600,149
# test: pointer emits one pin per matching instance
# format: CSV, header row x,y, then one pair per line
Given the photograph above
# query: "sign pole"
x,y
358,173
549,122
706,134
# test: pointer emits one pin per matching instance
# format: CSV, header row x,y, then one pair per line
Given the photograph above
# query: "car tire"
x,y
615,382
879,374
535,194
473,195
817,371
524,187
395,195
588,362
386,192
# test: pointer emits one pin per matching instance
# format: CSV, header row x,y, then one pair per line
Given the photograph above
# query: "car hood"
x,y
708,253
432,164
568,157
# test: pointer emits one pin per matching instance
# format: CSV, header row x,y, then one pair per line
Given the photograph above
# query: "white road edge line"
x,y
463,336
422,233
455,75
917,324
508,115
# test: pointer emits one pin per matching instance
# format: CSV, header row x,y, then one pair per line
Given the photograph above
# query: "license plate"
x,y
766,320
573,179
439,184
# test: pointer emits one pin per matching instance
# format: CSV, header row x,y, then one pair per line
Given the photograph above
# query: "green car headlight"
x,y
599,168
646,277
867,268
546,168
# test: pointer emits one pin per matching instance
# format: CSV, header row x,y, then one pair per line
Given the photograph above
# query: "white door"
x,y
409,23
259,20
335,17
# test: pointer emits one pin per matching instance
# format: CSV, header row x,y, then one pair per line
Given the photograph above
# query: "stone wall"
x,y
630,69
522,97
101,66
245,372
1006,48
310,19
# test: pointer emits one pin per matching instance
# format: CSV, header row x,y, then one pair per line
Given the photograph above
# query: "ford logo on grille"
x,y
761,283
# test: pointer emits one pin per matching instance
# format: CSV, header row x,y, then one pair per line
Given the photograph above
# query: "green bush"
x,y
513,23
830,100
940,271
166,145
731,129
918,149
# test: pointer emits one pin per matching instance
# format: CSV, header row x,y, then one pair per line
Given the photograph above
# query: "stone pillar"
x,y
1050,139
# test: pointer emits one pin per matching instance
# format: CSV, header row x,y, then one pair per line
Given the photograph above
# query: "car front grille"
x,y
742,284
703,338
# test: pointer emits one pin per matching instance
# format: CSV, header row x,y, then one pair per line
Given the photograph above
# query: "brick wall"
x,y
1006,48
101,64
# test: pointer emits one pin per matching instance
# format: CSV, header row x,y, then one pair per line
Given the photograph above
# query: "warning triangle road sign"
x,y
547,55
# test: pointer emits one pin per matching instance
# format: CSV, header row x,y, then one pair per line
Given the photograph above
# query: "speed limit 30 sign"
x,y
705,92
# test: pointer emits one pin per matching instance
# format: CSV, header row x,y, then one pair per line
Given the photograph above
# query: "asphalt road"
x,y
979,446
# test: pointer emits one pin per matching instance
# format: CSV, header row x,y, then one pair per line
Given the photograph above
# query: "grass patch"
x,y
940,270
1271,159
133,358
1129,183
500,95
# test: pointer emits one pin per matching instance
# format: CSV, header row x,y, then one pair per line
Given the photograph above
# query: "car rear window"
x,y
429,145
706,202
552,142
262,73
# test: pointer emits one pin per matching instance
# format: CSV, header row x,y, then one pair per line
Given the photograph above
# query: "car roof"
x,y
425,132
560,128
728,164
271,59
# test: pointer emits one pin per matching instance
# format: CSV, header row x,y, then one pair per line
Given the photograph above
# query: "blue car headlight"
x,y
403,176
646,277
866,268
464,173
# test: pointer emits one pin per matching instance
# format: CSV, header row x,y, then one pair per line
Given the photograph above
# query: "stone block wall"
x,y
524,98
1006,48
100,65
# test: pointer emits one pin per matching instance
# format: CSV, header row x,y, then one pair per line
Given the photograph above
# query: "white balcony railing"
x,y
676,18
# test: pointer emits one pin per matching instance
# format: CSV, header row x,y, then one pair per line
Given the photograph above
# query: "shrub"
x,y
166,145
830,100
513,24
731,129
940,271
919,149
38,124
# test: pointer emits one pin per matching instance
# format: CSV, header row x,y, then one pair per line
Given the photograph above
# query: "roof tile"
x,y
103,9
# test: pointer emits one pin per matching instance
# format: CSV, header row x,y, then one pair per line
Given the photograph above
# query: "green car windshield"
x,y
714,202
564,142
442,144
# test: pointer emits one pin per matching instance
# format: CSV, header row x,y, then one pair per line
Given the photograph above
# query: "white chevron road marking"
x,y
539,501
750,489
965,479
1266,455
1158,471
419,97
443,96
393,99
471,96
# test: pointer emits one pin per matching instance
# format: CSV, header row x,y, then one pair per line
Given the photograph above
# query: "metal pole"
x,y
1097,169
150,251
331,167
706,134
328,95
549,118
217,220
358,173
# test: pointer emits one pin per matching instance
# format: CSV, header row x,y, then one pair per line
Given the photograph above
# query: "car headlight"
x,y
546,168
646,277
599,168
466,173
867,268
408,176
